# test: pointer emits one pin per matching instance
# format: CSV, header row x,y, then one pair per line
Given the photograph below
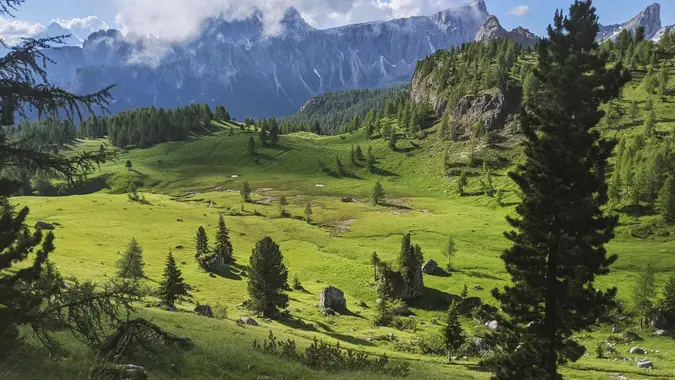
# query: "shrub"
x,y
324,357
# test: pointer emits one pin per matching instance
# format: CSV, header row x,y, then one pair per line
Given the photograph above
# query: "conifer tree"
x,y
130,265
245,192
283,202
462,182
663,80
308,212
201,242
370,163
359,153
374,261
223,246
251,145
666,201
667,304
263,134
644,291
648,127
450,252
558,246
488,188
172,287
377,194
393,139
634,110
268,278
274,133
453,334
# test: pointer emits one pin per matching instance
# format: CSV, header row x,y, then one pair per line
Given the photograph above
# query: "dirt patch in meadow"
x,y
342,226
264,201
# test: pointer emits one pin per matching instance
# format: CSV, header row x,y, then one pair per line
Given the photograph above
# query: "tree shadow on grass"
x,y
395,206
297,323
637,211
350,339
433,300
384,172
478,274
228,273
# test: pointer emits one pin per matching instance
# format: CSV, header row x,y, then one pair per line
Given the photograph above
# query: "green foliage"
x,y
644,291
308,212
245,192
666,201
667,304
648,127
377,194
454,334
223,246
201,243
324,357
450,252
130,265
560,230
462,181
268,278
251,145
172,287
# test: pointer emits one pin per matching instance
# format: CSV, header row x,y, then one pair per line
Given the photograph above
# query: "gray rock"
x,y
660,333
492,30
477,287
470,303
44,226
327,312
637,351
430,267
333,298
490,108
476,347
402,311
492,325
249,321
378,301
645,364
615,330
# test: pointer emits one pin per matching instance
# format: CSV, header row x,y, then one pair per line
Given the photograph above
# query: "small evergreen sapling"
x,y
377,194
245,192
201,242
453,334
223,246
172,287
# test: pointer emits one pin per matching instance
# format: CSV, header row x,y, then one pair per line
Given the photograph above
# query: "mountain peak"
x,y
293,21
493,30
476,10
649,18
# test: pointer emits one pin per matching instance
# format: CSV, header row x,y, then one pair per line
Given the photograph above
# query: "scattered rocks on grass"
x,y
249,321
477,287
333,298
430,267
212,275
44,226
347,200
637,351
402,311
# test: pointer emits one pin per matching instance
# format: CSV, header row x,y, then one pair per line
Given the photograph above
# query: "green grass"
x,y
192,181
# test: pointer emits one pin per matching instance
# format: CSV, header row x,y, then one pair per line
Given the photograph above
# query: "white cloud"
x,y
177,20
519,11
82,27
11,30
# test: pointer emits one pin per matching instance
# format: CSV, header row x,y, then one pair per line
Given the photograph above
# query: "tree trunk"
x,y
550,323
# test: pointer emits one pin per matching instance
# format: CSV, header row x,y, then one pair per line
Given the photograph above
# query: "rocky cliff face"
x,y
650,19
237,65
493,30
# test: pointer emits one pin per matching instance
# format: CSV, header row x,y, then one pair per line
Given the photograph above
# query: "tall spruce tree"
x,y
268,278
172,286
223,246
130,265
453,334
558,246
201,242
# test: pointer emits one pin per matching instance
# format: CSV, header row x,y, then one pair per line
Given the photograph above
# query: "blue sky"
x,y
538,15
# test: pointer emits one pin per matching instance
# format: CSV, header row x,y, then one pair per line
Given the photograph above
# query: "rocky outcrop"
x,y
650,19
248,321
430,267
40,225
204,310
488,111
333,298
493,30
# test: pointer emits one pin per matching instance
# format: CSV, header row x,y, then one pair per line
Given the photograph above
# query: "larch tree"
x,y
130,265
561,229
666,200
223,246
245,192
643,292
172,287
268,278
450,251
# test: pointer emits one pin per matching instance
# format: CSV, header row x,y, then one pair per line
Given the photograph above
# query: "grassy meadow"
x,y
190,184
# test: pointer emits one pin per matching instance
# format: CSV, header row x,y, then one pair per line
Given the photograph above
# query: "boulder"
x,y
492,325
477,287
44,226
489,109
637,351
327,312
402,311
476,347
660,333
204,310
249,321
645,364
657,320
430,267
333,298
615,330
